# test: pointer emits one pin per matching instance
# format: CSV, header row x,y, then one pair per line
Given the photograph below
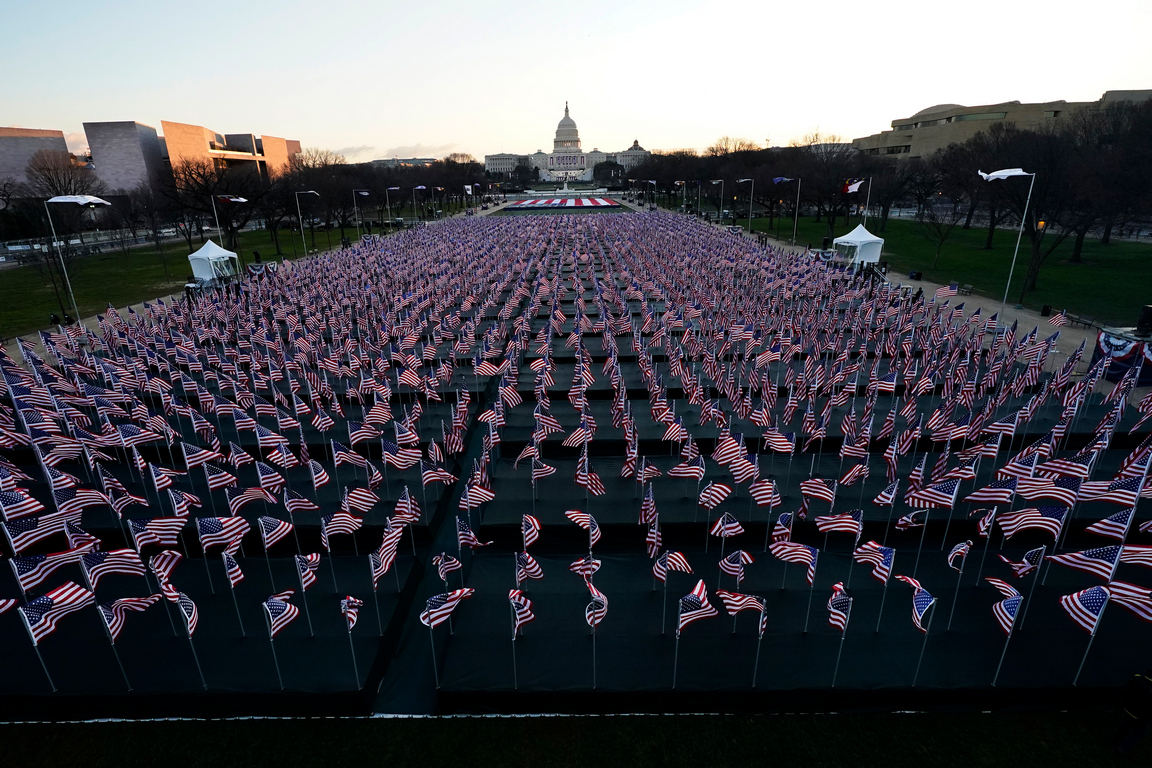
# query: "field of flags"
x,y
538,455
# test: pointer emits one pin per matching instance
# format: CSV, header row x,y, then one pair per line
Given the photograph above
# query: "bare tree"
x,y
51,172
936,221
726,145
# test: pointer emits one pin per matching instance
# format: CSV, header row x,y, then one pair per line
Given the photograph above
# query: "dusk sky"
x,y
374,80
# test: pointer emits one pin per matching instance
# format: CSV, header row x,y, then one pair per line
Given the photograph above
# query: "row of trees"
x,y
1092,169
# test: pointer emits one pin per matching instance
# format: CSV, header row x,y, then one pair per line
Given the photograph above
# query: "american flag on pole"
x,y
694,606
794,552
1005,611
439,607
922,600
839,607
115,612
280,612
1086,606
521,610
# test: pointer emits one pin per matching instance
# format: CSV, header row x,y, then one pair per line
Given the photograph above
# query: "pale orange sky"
x,y
375,80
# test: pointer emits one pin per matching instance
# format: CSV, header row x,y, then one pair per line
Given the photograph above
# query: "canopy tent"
x,y
212,262
860,246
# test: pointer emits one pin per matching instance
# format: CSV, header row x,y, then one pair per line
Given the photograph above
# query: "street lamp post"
x,y
356,208
227,199
414,199
720,213
88,201
388,202
299,218
751,193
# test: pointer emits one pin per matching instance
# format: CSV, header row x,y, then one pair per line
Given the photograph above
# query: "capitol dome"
x,y
567,135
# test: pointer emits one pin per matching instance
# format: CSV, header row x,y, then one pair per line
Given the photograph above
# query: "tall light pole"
x,y
299,218
796,209
1004,174
88,201
356,207
653,183
683,194
414,199
388,201
720,213
751,192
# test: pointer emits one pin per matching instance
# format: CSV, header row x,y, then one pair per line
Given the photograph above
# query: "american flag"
x,y
1086,606
338,522
946,291
306,566
1059,319
162,565
465,537
1005,611
937,495
670,561
41,615
1064,489
445,564
220,531
922,600
819,488
887,497
231,566
527,568
734,602
782,531
587,522
1135,598
585,566
188,612
280,612
726,526
847,522
238,497
439,607
1031,561
998,492
96,565
1124,492
32,571
839,608
694,606
272,530
693,469
733,564
16,503
1048,519
765,493
529,529
879,556
521,610
350,608
76,500
959,552
793,552
713,494
115,612
161,531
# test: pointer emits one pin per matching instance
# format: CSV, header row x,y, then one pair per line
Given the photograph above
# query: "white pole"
x,y
1019,235
216,216
356,213
867,201
63,270
796,211
751,195
300,221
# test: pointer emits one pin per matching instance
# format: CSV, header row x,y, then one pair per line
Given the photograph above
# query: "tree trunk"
x,y
1033,272
1078,245
1107,238
885,209
991,227
939,247
972,206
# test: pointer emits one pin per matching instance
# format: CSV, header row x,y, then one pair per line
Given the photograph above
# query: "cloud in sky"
x,y
356,154
420,150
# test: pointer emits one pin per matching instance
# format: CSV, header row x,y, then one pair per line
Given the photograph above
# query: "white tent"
x,y
860,246
212,262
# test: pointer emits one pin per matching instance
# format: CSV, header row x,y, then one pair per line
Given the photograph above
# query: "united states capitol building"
x,y
567,161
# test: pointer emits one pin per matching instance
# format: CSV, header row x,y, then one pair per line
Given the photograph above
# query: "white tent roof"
x,y
860,245
858,236
204,259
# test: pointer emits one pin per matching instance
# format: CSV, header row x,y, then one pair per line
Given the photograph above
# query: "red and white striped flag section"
x,y
350,608
1086,607
670,561
231,566
765,493
220,531
922,600
998,492
529,530
521,610
1135,598
936,495
1049,519
713,494
585,566
439,607
162,565
527,567
1005,610
280,612
839,607
726,526
819,488
959,552
846,522
693,469
782,531
694,606
188,612
880,557
733,564
1031,561
887,497
793,552
115,612
34,570
648,507
407,510
27,531
445,564
734,602
597,609
306,566
161,531
587,522
97,565
1059,319
385,555
465,537
338,522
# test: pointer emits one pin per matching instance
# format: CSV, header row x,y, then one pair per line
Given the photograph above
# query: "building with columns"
x,y
567,160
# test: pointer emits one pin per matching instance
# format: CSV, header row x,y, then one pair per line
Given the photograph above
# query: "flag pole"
x,y
756,663
987,545
920,549
304,600
272,644
196,658
836,669
235,603
375,599
593,657
664,616
956,599
435,671
811,591
1035,578
115,653
512,610
355,669
925,645
1004,653
207,570
1080,669
676,655
883,597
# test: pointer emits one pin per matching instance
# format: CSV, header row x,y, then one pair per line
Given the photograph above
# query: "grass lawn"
x,y
1112,284
893,741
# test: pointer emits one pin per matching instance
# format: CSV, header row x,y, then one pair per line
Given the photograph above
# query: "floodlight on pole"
x,y
720,213
300,218
356,208
387,199
751,193
1005,174
414,200
86,201
226,199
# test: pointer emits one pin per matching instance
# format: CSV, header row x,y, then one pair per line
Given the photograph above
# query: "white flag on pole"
x,y
1003,173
